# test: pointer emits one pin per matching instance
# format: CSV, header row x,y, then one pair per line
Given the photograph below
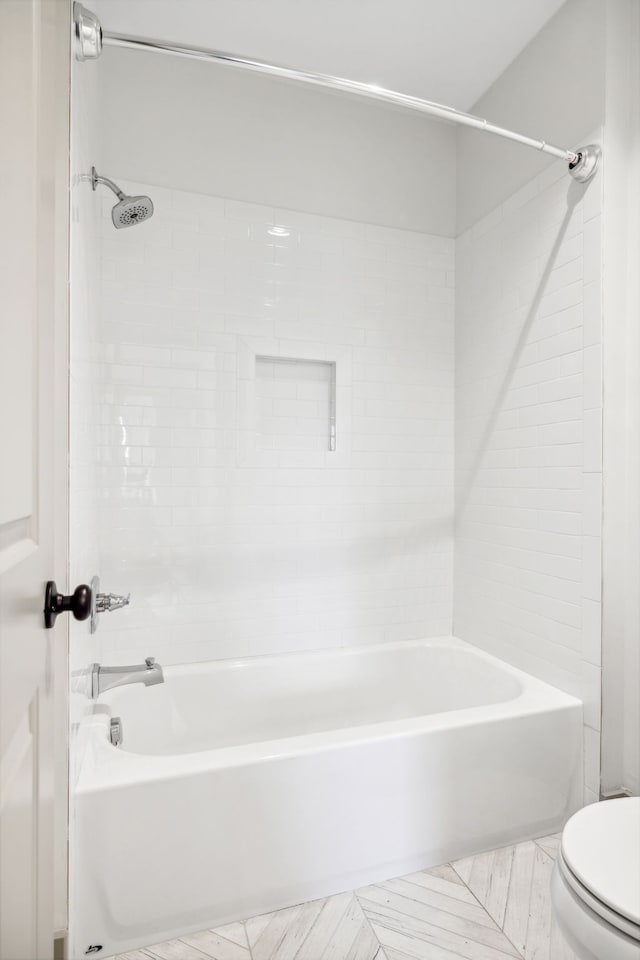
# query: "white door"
x,y
34,151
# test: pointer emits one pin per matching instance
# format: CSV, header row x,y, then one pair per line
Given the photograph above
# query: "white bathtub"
x,y
244,786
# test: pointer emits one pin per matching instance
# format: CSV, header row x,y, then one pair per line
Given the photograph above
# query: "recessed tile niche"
x,y
295,404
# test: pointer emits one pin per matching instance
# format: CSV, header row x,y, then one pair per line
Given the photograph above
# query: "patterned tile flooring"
x,y
493,906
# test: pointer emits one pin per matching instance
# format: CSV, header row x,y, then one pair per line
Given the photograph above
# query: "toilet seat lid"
x,y
601,847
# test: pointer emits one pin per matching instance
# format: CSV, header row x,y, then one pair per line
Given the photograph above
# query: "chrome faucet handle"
x,y
106,602
150,662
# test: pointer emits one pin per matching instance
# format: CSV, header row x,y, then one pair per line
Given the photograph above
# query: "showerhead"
x,y
129,210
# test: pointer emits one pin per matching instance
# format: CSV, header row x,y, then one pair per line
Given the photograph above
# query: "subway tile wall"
x,y
236,529
529,438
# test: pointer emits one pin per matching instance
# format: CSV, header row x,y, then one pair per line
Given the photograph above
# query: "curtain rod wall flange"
x,y
586,164
89,41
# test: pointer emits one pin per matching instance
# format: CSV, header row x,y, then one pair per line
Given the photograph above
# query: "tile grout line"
x,y
443,950
246,937
443,909
482,907
432,923
206,956
312,927
526,933
538,847
210,930
370,926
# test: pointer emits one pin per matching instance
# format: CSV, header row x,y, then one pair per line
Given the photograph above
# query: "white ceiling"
x,y
450,51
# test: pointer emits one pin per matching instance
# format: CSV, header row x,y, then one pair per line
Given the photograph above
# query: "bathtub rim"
x,y
106,766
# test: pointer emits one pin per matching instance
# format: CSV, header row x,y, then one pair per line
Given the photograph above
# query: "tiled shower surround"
x,y
529,439
222,508
240,532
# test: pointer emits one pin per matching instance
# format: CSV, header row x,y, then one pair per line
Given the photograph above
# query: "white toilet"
x,y
595,888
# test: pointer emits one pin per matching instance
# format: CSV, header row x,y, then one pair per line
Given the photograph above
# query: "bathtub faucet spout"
x,y
106,678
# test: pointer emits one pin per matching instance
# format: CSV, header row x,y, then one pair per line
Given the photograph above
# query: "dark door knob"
x,y
79,603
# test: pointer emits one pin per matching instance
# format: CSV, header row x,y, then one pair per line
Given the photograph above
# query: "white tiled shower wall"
x,y
529,438
233,544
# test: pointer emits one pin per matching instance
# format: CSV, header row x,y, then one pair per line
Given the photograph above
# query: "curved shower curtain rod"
x,y
89,40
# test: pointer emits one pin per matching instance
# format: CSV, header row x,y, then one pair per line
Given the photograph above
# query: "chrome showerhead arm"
x,y
96,179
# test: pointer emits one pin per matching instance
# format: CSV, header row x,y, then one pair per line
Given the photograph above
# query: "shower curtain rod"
x,y
90,37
